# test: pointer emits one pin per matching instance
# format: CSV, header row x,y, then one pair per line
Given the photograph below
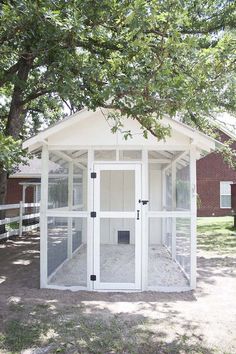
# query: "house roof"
x,y
65,127
32,169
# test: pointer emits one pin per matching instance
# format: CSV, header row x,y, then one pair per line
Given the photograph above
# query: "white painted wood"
x,y
23,196
193,207
9,206
21,218
169,214
30,216
90,221
70,205
161,161
155,188
96,131
30,205
43,218
99,128
66,213
8,234
117,155
92,132
173,182
161,147
67,158
30,227
179,156
117,214
163,207
145,221
9,220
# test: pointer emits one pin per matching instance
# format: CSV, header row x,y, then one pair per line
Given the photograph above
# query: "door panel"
x,y
117,190
117,229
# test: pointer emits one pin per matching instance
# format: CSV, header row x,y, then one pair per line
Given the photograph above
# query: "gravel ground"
x,y
117,264
205,317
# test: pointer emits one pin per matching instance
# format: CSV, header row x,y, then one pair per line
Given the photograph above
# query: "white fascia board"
x,y
195,135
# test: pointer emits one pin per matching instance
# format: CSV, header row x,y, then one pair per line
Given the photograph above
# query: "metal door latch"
x,y
144,202
138,213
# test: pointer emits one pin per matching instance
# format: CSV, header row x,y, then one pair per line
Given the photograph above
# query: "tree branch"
x,y
36,94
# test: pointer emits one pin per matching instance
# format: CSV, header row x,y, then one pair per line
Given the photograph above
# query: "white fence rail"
x,y
19,219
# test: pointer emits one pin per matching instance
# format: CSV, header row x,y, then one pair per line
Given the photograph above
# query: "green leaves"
x,y
146,58
11,153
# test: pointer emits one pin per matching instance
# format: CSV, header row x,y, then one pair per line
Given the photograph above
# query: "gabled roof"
x,y
202,140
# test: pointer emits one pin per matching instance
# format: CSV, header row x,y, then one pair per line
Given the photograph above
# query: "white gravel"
x,y
117,265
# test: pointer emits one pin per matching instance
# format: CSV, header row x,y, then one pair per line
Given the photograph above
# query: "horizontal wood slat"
x,y
21,206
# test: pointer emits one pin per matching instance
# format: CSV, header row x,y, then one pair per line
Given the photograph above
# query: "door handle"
x,y
138,213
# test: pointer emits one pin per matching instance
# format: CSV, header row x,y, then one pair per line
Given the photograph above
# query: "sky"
x,y
228,121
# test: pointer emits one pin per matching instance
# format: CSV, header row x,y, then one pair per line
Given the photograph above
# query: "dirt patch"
x,y
34,320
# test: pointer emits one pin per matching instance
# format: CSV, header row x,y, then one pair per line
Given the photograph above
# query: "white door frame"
x,y
136,167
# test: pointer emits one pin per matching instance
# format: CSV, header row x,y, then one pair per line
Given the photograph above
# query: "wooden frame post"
x,y
173,183
21,218
193,208
70,204
43,219
145,220
90,221
163,221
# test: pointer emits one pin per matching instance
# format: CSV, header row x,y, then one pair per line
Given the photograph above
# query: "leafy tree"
x,y
145,58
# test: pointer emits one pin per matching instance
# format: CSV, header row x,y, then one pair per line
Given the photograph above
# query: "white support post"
x,y
37,193
84,203
21,218
173,183
163,221
43,219
193,207
90,231
23,196
70,204
145,220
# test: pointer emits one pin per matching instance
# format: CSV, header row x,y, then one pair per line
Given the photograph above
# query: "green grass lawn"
x,y
216,234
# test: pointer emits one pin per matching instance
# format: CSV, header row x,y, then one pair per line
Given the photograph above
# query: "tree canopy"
x,y
145,58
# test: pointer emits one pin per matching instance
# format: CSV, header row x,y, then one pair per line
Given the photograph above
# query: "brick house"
x,y
214,177
24,185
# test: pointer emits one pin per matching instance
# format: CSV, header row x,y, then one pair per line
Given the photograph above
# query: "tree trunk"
x,y
15,119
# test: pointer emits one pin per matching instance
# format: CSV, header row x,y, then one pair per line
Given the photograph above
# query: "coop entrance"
x,y
117,226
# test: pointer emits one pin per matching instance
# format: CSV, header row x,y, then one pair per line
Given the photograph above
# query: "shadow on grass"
x,y
66,322
50,330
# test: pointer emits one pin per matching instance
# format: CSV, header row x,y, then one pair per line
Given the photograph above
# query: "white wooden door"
x,y
117,226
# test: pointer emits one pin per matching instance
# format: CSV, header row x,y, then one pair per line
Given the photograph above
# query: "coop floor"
x,y
117,265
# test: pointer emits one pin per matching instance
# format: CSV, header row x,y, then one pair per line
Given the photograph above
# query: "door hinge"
x,y
93,214
93,175
92,277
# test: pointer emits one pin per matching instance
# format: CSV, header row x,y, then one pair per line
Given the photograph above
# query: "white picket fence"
x,y
22,216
